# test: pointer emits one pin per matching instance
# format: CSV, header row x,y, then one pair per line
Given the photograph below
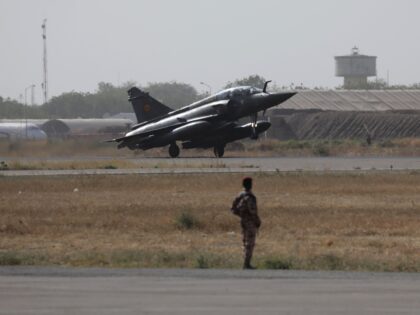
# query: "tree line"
x,y
106,100
110,100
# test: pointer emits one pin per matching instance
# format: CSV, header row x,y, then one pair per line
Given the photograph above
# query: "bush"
x,y
10,259
186,221
110,167
3,166
202,262
387,144
277,264
321,149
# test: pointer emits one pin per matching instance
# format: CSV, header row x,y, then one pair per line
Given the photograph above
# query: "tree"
x,y
381,84
11,109
252,80
110,99
174,94
69,105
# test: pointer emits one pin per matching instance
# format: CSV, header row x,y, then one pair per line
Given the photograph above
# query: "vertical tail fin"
x,y
146,107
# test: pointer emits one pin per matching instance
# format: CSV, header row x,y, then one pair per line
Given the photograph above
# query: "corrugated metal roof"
x,y
354,100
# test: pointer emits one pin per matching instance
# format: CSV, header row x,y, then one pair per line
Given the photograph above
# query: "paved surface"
x,y
32,290
240,165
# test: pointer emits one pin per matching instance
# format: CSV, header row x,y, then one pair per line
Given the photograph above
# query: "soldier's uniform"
x,y
245,206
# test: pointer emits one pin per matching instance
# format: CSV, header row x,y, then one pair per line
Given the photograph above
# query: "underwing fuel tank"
x,y
188,131
233,134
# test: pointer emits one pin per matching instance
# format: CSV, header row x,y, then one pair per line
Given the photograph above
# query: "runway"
x,y
234,165
45,290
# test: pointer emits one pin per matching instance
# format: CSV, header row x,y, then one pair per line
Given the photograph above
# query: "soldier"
x,y
245,206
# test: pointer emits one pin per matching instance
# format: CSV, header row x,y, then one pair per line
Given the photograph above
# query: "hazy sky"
x,y
190,41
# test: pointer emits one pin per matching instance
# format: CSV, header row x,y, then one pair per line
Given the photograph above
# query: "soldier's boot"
x,y
247,264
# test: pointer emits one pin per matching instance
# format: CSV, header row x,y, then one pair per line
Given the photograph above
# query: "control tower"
x,y
355,69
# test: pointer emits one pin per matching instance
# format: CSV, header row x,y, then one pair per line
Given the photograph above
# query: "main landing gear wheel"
x,y
174,150
254,134
219,151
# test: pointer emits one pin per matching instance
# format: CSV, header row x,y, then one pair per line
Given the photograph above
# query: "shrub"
x,y
202,262
10,259
276,264
321,149
110,167
3,166
387,144
186,221
294,144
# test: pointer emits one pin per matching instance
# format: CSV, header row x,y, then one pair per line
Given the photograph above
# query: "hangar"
x,y
355,100
63,128
340,114
13,131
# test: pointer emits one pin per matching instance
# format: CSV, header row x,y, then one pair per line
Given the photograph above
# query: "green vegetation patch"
x,y
15,258
186,221
205,260
278,264
3,166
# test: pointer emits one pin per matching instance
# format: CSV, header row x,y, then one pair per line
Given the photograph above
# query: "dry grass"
x,y
95,147
346,147
70,165
348,221
66,148
82,147
102,164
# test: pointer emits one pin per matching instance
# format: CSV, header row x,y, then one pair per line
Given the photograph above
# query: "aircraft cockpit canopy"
x,y
237,92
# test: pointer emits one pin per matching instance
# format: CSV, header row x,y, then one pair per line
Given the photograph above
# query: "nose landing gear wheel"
x,y
174,150
219,151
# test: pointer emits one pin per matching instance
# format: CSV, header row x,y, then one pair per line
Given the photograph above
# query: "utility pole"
x,y
45,82
26,109
23,108
32,94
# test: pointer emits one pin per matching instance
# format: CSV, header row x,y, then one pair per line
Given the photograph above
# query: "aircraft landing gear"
x,y
174,150
219,150
254,134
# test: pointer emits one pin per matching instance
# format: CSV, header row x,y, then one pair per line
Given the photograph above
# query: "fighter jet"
x,y
209,123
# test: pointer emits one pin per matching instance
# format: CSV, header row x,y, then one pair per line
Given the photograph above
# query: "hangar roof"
x,y
354,100
82,127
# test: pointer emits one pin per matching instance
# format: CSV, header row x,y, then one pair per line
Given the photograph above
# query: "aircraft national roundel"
x,y
147,108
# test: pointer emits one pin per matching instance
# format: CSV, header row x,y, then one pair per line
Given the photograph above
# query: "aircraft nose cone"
x,y
278,98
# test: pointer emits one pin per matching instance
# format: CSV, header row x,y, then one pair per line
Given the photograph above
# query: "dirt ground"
x,y
357,221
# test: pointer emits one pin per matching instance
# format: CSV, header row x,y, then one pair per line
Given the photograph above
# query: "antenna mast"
x,y
45,82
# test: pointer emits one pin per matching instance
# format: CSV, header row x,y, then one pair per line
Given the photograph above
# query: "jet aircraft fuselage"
x,y
210,122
